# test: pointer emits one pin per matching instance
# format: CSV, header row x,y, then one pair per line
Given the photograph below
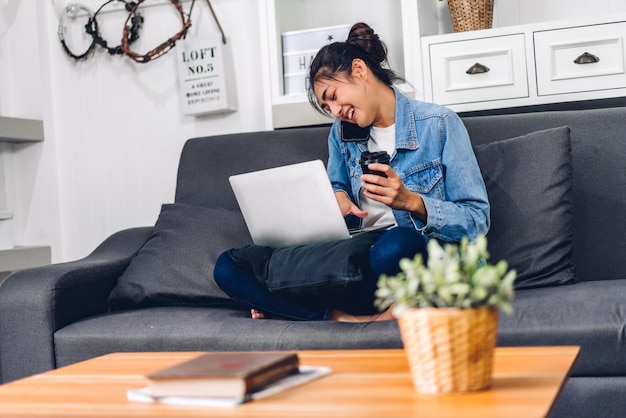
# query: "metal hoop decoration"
x,y
136,22
164,47
73,9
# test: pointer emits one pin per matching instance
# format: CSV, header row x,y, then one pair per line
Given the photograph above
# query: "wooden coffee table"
x,y
364,383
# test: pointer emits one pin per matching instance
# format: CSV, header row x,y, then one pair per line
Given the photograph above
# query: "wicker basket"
x,y
471,14
450,349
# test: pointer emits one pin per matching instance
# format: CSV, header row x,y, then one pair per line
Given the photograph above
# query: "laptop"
x,y
290,205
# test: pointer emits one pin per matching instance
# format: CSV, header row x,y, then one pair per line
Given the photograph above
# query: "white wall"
x,y
515,12
113,127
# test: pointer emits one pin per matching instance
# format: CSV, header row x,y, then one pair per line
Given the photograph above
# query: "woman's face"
x,y
346,98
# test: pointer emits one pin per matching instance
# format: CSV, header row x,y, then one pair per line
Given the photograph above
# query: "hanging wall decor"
x,y
165,46
206,74
131,31
71,11
136,21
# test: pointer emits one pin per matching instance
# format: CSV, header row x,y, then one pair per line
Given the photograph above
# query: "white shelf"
x,y
19,258
397,24
19,130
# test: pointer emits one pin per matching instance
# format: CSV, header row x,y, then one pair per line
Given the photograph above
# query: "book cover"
x,y
223,374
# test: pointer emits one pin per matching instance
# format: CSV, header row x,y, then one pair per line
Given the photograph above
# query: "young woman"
x,y
431,186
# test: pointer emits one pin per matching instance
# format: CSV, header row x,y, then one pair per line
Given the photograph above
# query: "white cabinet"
x,y
485,69
551,62
579,59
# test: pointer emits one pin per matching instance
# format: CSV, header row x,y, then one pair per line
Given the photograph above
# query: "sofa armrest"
x,y
35,303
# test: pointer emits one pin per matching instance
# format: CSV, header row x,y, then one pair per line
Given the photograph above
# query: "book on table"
x,y
223,374
226,379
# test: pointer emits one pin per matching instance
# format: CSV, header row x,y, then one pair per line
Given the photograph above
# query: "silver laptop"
x,y
289,205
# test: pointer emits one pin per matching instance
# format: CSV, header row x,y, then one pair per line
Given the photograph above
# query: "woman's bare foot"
x,y
341,316
338,316
257,314
260,315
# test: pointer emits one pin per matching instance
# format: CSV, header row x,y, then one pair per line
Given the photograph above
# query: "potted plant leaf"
x,y
447,309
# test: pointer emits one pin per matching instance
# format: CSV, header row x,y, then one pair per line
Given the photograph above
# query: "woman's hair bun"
x,y
363,36
338,57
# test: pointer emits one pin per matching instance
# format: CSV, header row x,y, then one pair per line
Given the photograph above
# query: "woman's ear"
x,y
359,68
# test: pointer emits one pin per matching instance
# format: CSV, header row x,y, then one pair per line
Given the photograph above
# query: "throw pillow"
x,y
175,266
529,180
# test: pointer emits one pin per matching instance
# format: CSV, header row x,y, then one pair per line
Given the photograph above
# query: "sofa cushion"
x,y
586,314
529,181
195,328
557,315
175,266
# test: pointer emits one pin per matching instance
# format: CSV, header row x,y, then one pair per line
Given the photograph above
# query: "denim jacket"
x,y
434,158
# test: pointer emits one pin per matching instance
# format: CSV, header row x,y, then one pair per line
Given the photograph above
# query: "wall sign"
x,y
206,76
299,49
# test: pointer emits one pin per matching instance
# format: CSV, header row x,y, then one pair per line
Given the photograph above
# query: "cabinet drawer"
x,y
453,82
559,68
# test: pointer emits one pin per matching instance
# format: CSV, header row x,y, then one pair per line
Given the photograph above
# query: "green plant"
x,y
455,276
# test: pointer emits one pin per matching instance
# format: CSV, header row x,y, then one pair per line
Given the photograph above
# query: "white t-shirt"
x,y
381,139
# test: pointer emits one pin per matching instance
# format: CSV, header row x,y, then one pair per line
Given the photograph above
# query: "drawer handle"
x,y
477,68
586,58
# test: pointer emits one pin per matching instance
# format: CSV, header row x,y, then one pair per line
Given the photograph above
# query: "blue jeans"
x,y
384,258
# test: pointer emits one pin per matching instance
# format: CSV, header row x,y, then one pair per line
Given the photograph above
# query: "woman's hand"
x,y
391,191
347,207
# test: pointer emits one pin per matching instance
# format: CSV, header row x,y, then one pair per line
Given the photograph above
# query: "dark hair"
x,y
337,57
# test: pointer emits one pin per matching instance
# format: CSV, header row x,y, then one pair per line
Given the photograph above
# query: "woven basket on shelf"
x,y
471,14
449,349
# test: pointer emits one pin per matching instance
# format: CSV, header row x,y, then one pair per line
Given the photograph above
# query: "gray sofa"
x,y
558,217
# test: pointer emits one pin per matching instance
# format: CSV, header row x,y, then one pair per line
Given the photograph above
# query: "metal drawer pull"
x,y
586,58
477,69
